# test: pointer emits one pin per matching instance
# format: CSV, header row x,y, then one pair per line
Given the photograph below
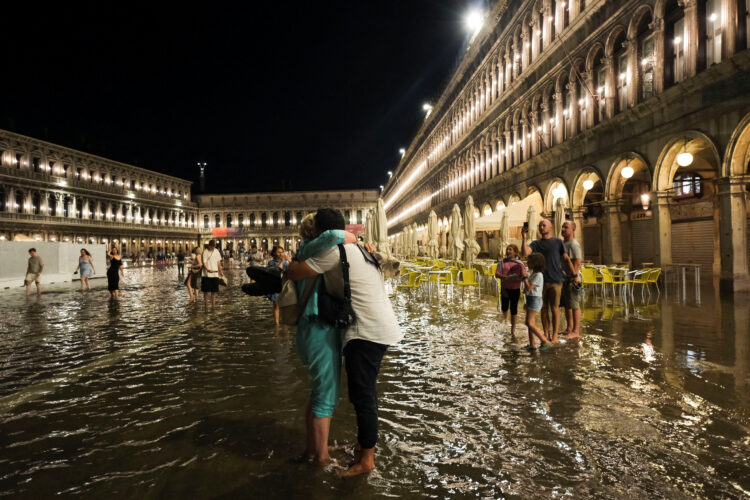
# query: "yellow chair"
x,y
412,282
469,278
609,276
646,277
591,277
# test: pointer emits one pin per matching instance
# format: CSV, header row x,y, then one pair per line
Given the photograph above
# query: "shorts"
x,y
571,296
31,277
509,299
551,295
534,303
209,285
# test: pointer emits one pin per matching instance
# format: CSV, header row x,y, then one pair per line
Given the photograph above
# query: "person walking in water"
x,y
511,272
572,290
211,259
534,284
114,272
279,260
180,262
34,272
195,271
86,266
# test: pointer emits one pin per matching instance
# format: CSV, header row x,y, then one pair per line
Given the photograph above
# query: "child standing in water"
x,y
533,286
511,271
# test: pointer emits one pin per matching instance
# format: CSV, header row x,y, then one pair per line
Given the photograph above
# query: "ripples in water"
x,y
156,396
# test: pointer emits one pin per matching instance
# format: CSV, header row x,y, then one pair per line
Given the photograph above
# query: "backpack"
x,y
290,308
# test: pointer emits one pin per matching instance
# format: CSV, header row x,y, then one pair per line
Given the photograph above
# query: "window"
x,y
687,186
36,203
66,206
601,90
78,173
217,219
299,218
252,219
713,32
276,220
287,219
52,205
2,199
205,221
91,210
240,220
263,220
35,164
229,220
19,157
359,216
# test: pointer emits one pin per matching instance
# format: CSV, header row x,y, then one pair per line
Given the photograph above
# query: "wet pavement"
x,y
154,396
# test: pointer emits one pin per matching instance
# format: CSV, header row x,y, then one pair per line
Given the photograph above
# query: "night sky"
x,y
272,95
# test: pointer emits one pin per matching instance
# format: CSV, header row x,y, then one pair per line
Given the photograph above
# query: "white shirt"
x,y
376,320
536,279
211,263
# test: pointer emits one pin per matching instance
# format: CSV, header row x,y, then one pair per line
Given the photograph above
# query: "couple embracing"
x,y
320,345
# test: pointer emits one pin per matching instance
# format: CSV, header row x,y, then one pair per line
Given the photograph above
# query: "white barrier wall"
x,y
60,260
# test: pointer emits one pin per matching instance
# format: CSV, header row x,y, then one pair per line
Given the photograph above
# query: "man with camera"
x,y
365,341
572,290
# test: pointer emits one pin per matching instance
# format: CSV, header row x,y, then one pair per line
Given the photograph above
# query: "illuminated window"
x,y
687,186
713,32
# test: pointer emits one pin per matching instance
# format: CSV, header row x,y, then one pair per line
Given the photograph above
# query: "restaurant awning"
x,y
517,214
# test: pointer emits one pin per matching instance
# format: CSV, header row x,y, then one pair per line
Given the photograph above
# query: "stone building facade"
x,y
269,219
635,113
52,193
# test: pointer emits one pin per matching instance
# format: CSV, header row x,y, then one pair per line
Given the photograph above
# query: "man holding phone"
x,y
554,253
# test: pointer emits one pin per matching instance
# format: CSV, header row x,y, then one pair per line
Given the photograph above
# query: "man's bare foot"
x,y
355,470
573,336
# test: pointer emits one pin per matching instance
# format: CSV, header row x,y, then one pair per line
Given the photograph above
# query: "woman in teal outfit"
x,y
318,345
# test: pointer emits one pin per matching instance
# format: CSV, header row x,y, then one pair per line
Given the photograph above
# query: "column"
x,y
733,234
729,28
546,125
614,252
547,25
525,140
634,70
610,86
692,33
578,220
575,108
509,153
559,122
508,70
72,207
516,145
662,228
588,117
494,156
657,26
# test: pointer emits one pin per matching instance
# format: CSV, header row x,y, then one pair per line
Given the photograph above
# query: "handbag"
x,y
334,311
290,309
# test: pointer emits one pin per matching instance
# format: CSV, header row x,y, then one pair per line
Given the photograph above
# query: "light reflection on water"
x,y
157,396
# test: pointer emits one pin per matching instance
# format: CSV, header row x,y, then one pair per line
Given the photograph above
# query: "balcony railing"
x,y
98,187
91,223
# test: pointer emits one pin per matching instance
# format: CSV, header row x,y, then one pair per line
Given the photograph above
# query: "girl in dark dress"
x,y
113,273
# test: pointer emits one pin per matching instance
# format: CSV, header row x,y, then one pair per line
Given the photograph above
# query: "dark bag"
x,y
334,311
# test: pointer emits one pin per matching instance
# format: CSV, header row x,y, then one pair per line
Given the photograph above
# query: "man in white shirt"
x,y
256,257
211,259
366,341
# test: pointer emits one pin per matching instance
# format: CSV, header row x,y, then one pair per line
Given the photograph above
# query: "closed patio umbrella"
x,y
380,229
457,246
433,247
471,247
443,240
533,221
559,216
368,228
504,236
414,244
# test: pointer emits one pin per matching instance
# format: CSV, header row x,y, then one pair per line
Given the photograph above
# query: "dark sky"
x,y
306,95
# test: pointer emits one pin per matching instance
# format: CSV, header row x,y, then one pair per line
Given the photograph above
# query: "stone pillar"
x,y
578,219
614,252
558,98
547,25
692,35
657,26
574,9
733,233
525,139
516,145
729,29
662,223
72,207
509,153
533,125
588,115
610,86
546,125
633,76
525,52
575,108
494,156
508,70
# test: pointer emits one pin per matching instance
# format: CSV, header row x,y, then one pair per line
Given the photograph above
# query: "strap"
x,y
369,257
306,294
345,271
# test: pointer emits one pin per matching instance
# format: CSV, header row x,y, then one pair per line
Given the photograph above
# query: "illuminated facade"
x,y
635,113
269,219
53,193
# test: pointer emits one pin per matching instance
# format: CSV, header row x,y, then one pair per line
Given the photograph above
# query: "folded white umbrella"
x,y
471,247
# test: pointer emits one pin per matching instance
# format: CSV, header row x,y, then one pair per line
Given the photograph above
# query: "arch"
x,y
592,53
554,190
635,21
737,154
691,141
579,190
486,209
609,46
499,204
615,181
513,198
560,80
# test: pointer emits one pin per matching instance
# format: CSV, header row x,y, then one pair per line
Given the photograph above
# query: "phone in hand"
x,y
525,227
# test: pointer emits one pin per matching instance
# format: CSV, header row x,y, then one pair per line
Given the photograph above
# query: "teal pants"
x,y
319,348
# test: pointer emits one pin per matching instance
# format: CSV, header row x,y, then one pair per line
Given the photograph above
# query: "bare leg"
x,y
276,312
38,288
205,298
576,321
28,287
320,428
545,319
555,327
365,464
568,321
513,322
213,298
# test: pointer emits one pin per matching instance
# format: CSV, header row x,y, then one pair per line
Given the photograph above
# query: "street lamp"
x,y
402,151
473,20
390,174
427,109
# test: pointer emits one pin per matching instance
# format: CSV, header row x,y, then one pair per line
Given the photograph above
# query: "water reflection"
x,y
159,396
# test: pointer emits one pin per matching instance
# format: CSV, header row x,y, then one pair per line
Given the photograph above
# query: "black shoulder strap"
x,y
369,257
345,271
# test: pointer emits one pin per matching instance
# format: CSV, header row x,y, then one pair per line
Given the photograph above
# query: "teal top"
x,y
307,249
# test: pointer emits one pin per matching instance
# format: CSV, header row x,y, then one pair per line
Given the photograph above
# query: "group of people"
x,y
35,266
554,282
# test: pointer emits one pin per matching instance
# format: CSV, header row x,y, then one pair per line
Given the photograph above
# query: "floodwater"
x,y
153,396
